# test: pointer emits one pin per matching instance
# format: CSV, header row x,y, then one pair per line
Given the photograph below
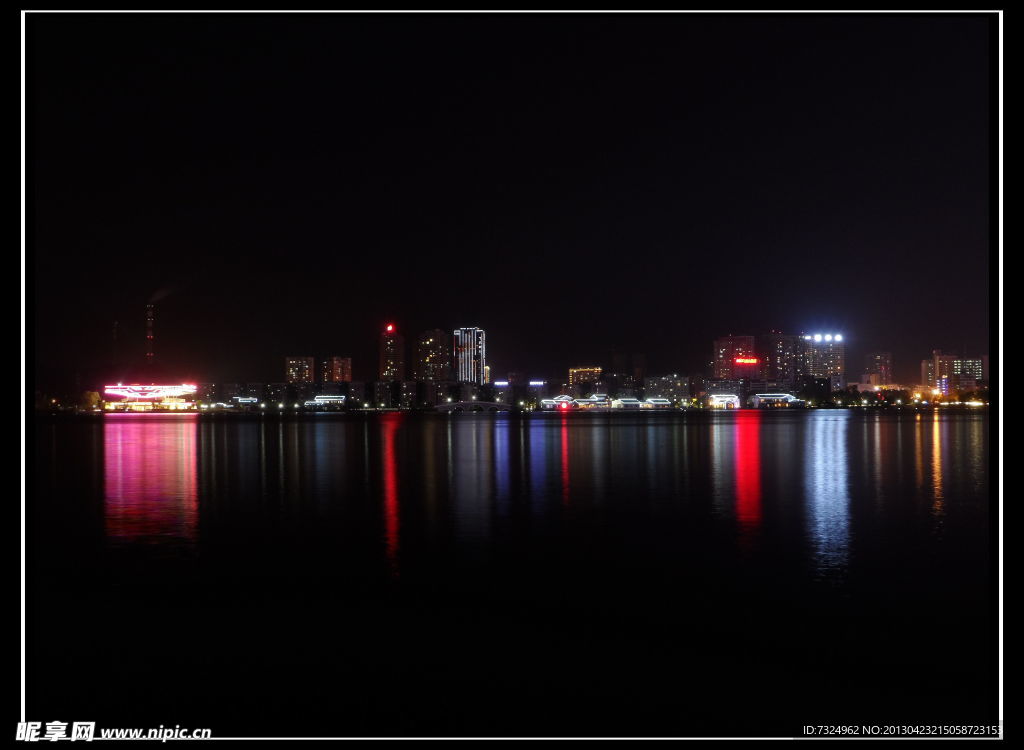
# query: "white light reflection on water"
x,y
826,483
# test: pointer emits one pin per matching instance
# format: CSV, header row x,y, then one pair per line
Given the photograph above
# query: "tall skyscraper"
x,y
299,369
735,357
433,356
826,357
336,370
879,364
781,357
470,355
392,354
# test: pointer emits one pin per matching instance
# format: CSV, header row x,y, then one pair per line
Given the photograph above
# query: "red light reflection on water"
x,y
389,426
748,472
565,459
150,480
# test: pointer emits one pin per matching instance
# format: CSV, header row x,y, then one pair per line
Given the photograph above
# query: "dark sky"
x,y
571,183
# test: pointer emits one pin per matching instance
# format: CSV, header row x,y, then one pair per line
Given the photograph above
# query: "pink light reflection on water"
x,y
150,479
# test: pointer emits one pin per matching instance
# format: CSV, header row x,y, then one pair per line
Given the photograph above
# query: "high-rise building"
x,y
880,364
392,354
950,372
336,370
299,369
433,356
580,375
735,357
825,355
470,355
782,359
928,372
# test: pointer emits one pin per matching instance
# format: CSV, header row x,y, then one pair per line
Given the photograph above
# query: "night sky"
x,y
574,184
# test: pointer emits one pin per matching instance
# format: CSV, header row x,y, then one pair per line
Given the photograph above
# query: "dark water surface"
x,y
584,575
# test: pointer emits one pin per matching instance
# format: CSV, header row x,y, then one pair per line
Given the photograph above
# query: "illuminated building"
x,y
878,364
487,374
392,354
336,370
724,401
775,401
536,389
596,401
747,367
299,370
433,357
949,372
580,375
138,397
782,357
730,352
559,403
326,403
673,387
656,403
470,355
825,355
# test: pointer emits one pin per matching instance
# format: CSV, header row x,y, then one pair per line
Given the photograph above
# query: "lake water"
x,y
583,575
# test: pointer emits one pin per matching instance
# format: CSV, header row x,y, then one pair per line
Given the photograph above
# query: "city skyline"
x,y
769,352
259,228
434,355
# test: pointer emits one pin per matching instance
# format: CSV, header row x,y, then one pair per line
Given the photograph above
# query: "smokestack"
x,y
149,334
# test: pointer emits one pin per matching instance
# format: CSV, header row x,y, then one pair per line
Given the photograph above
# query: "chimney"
x,y
149,334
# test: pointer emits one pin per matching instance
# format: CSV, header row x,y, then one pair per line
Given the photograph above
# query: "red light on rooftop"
x,y
389,327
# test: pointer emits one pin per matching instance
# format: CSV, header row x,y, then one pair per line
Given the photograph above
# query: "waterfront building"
x,y
775,401
724,401
391,363
299,369
470,352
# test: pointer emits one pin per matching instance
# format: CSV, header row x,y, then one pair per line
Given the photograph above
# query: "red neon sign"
x,y
747,360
